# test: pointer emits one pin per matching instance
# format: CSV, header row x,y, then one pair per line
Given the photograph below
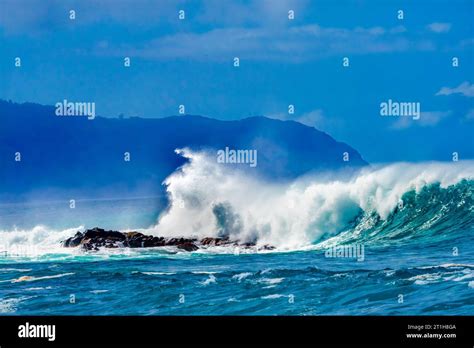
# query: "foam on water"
x,y
208,199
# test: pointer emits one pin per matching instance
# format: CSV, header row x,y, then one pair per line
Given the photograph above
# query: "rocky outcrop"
x,y
96,238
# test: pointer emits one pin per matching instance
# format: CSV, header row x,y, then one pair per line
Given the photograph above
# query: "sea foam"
x,y
209,199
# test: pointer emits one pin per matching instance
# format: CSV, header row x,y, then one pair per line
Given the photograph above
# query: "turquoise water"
x,y
419,260
297,283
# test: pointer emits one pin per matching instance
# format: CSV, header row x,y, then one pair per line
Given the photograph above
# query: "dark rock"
x,y
74,241
214,241
267,247
100,233
96,238
179,241
188,246
134,239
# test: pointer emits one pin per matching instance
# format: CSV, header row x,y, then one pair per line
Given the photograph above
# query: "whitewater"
x,y
209,199
406,232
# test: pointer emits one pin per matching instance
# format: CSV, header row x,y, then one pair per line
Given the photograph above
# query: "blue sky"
x,y
282,62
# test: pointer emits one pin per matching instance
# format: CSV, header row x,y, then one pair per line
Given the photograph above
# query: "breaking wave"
x,y
377,204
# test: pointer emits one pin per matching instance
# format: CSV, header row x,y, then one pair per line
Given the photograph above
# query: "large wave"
x,y
378,204
396,200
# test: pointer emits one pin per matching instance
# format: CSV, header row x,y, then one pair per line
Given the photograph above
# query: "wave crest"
x,y
210,199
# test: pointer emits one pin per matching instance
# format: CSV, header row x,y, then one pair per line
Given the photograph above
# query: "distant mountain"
x,y
75,153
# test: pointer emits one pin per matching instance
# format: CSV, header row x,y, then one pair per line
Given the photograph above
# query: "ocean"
x,y
392,239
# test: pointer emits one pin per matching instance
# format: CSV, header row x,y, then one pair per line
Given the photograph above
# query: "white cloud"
x,y
37,16
427,119
251,29
33,16
465,88
313,118
466,43
432,118
293,44
398,29
438,27
255,12
470,115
